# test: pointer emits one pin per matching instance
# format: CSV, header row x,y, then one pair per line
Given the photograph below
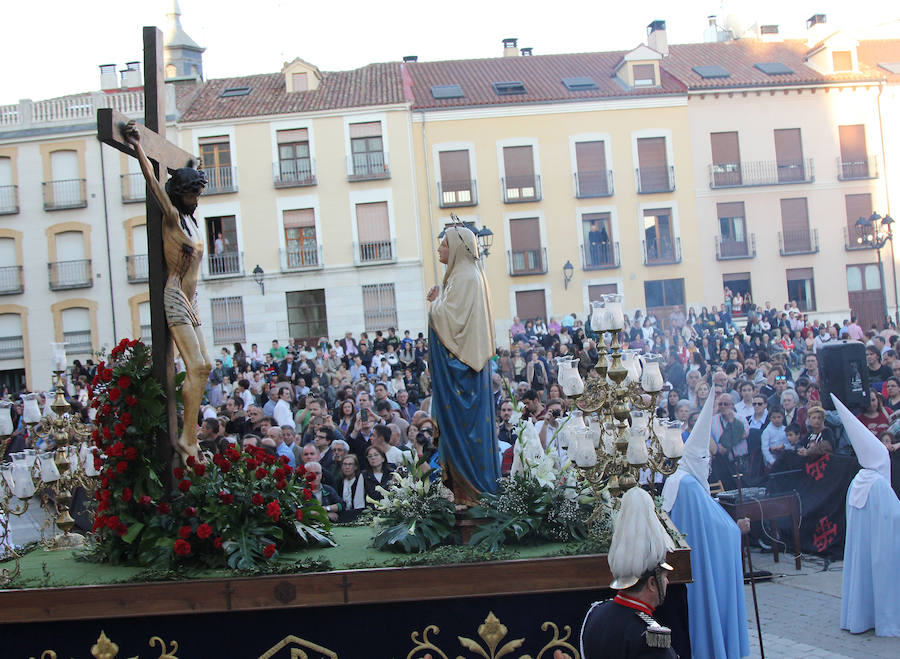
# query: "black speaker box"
x,y
844,373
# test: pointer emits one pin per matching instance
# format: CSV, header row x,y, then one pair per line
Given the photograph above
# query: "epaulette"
x,y
656,635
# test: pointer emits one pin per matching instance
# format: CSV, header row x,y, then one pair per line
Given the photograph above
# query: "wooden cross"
x,y
165,157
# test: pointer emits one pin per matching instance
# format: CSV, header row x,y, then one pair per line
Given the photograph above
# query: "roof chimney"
x,y
108,78
815,29
526,52
656,37
769,34
410,58
131,75
510,47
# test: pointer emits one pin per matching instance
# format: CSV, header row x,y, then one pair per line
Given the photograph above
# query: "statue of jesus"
x,y
461,344
183,251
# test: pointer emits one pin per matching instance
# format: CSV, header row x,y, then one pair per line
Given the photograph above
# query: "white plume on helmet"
x,y
640,542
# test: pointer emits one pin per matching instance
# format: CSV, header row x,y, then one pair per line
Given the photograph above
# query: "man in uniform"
x,y
624,627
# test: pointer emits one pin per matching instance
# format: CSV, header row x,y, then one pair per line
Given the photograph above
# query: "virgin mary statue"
x,y
461,344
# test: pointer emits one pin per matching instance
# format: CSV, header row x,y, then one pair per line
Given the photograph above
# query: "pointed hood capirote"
x,y
640,541
695,460
870,451
462,314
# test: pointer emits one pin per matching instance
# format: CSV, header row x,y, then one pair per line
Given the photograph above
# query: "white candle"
x,y
58,351
31,412
6,425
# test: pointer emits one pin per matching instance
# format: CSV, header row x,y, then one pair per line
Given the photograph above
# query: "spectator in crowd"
x,y
352,488
774,441
820,438
875,417
729,434
378,473
381,439
878,372
323,493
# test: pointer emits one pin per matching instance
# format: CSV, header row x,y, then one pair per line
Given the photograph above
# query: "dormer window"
x,y
644,75
301,81
842,60
300,76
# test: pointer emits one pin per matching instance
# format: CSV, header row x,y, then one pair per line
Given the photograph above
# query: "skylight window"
x,y
447,91
509,88
235,91
711,71
892,67
579,84
774,68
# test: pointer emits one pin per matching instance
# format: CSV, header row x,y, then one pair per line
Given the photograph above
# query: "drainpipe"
x,y
112,300
887,199
428,196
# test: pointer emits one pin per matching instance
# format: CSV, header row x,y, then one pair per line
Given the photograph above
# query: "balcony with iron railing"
x,y
302,258
9,199
78,342
728,249
221,180
527,261
854,242
600,257
12,347
368,166
11,280
295,173
856,170
226,264
518,189
594,184
798,242
134,188
137,267
61,195
70,274
655,179
668,253
371,252
748,174
452,194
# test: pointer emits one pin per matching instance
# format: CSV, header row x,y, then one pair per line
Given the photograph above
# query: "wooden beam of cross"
x,y
165,157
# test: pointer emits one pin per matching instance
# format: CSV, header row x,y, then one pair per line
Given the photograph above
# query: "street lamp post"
x,y
877,231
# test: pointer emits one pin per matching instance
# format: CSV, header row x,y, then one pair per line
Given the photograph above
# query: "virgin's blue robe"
x,y
462,405
718,615
870,593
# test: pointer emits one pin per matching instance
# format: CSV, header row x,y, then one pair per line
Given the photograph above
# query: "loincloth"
x,y
179,311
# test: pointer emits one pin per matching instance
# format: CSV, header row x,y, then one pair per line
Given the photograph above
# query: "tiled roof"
x,y
185,92
880,51
375,84
739,58
541,74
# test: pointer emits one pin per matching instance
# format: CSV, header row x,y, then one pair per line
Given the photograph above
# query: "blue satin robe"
x,y
462,404
716,607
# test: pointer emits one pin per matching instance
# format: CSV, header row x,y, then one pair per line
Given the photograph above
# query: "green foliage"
x,y
413,515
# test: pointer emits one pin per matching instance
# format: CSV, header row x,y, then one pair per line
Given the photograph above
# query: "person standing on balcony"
x,y
219,244
461,344
594,244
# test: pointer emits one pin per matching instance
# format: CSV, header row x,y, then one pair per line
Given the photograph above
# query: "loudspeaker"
x,y
843,372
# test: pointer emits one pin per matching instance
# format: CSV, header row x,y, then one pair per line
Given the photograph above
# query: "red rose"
x,y
261,472
103,505
145,500
283,459
273,510
127,494
269,551
280,485
185,532
104,481
116,450
191,461
106,409
204,531
217,543
126,418
299,514
226,498
119,430
190,511
307,494
121,529
178,472
184,486
124,382
95,434
200,469
225,467
108,374
251,464
97,462
95,403
268,459
112,522
257,499
106,433
114,394
122,467
163,508
232,455
182,547
131,401
131,453
300,470
311,476
278,474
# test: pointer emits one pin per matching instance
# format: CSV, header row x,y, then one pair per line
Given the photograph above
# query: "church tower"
x,y
183,57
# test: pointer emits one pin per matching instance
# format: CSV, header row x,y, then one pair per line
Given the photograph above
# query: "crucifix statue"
x,y
175,248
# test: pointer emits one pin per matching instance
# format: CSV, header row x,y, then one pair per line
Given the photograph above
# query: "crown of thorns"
x,y
187,180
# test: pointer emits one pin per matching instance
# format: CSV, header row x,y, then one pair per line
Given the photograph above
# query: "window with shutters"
x,y
11,280
789,156
373,233
597,291
306,313
841,60
9,191
519,180
531,305
662,296
379,307
223,256
136,262
726,160
526,255
301,249
228,319
733,241
592,179
300,81
12,345
71,269
76,325
854,161
295,166
216,154
456,187
859,206
599,250
660,243
653,172
368,159
801,288
644,75
66,188
796,237
144,329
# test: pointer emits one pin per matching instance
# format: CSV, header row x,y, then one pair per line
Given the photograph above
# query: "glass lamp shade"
x,y
637,449
614,316
30,457
87,454
597,313
31,412
23,485
671,442
640,421
6,425
568,377
49,471
582,450
7,482
631,364
58,352
652,379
